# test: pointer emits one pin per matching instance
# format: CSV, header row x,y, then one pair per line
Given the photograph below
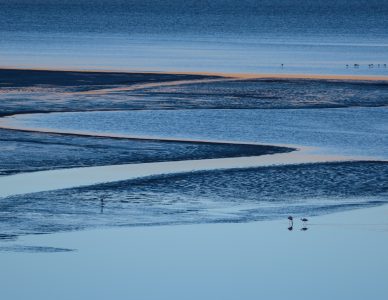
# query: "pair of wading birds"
x,y
291,223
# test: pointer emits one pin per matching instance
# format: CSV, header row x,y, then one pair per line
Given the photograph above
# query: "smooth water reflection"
x,y
341,256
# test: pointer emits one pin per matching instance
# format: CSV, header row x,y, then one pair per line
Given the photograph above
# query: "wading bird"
x,y
102,204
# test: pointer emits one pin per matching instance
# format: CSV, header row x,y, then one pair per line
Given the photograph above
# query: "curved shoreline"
x,y
81,133
40,181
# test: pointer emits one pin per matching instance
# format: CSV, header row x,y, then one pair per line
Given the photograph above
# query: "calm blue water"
x,y
345,131
320,36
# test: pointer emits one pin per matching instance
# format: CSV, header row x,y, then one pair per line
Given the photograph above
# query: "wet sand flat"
x,y
34,91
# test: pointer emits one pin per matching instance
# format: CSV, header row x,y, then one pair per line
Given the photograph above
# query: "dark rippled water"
x,y
220,35
28,151
202,197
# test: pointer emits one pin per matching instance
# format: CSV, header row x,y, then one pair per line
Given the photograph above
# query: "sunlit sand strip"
x,y
227,75
242,76
69,178
149,85
222,77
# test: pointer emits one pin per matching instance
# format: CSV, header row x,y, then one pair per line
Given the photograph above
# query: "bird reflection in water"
x,y
304,227
290,223
102,203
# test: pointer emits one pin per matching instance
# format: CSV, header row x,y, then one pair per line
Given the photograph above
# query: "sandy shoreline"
x,y
241,76
292,76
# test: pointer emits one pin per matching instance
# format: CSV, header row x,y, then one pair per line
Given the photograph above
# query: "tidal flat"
x,y
264,116
196,174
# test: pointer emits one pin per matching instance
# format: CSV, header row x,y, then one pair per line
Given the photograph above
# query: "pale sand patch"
x,y
135,87
222,77
221,74
247,76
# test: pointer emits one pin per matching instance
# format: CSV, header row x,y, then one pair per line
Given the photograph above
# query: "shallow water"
x,y
220,196
348,131
340,256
